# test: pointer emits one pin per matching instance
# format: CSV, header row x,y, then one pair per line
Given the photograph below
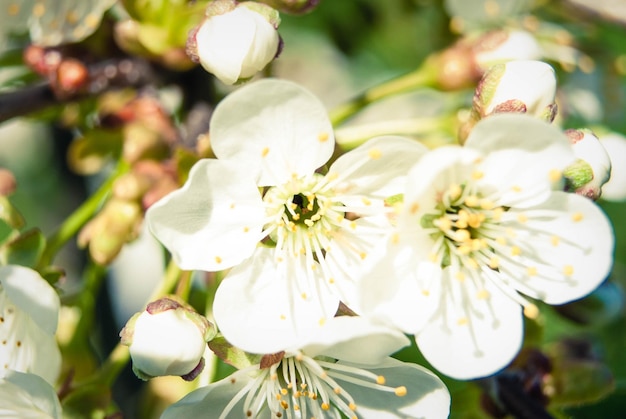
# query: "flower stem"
x,y
421,77
79,217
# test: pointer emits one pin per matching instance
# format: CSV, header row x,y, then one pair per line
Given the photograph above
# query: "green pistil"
x,y
303,208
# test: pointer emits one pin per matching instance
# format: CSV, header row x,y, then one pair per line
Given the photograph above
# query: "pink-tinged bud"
x,y
593,167
235,40
168,338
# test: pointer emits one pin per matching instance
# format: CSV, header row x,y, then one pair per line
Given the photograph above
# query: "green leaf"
x,y
24,250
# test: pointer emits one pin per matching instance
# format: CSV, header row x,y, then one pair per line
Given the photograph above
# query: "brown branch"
x,y
111,74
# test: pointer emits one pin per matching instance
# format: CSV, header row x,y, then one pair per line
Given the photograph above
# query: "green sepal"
x,y
231,355
578,174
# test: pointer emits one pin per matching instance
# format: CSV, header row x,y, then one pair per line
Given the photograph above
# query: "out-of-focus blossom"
x,y
593,167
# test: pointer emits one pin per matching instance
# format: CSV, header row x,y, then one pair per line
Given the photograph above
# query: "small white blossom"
x,y
235,40
167,339
29,313
482,225
316,230
343,368
27,396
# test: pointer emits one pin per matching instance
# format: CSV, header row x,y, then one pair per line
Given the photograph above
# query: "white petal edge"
x,y
473,341
28,396
214,221
427,396
274,128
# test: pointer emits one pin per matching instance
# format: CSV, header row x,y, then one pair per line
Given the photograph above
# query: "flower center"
x,y
461,225
302,215
301,386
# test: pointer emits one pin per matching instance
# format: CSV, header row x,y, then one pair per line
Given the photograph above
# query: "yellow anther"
x,y
39,9
283,317
353,225
303,295
522,218
395,238
362,255
555,240
322,137
577,216
486,204
492,8
462,321
460,276
13,9
366,201
472,201
352,406
218,259
325,406
483,295
71,17
501,240
374,153
531,271
337,390
265,152
531,311
284,391
321,321
478,175
380,380
444,223
414,208
400,391
463,235
555,175
497,213
454,192
331,280
516,251
568,270
425,293
284,404
246,229
516,188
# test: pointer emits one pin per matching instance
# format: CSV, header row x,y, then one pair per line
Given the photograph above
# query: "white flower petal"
x,y
476,333
214,221
354,339
426,396
615,188
224,41
401,289
273,128
211,401
31,293
27,396
376,168
265,307
566,248
263,49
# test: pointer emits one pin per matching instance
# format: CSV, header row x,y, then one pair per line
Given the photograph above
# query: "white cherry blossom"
x,y
29,313
483,231
27,396
315,229
343,368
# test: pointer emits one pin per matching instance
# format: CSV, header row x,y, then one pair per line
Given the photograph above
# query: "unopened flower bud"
x,y
168,338
500,46
235,40
515,86
593,167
